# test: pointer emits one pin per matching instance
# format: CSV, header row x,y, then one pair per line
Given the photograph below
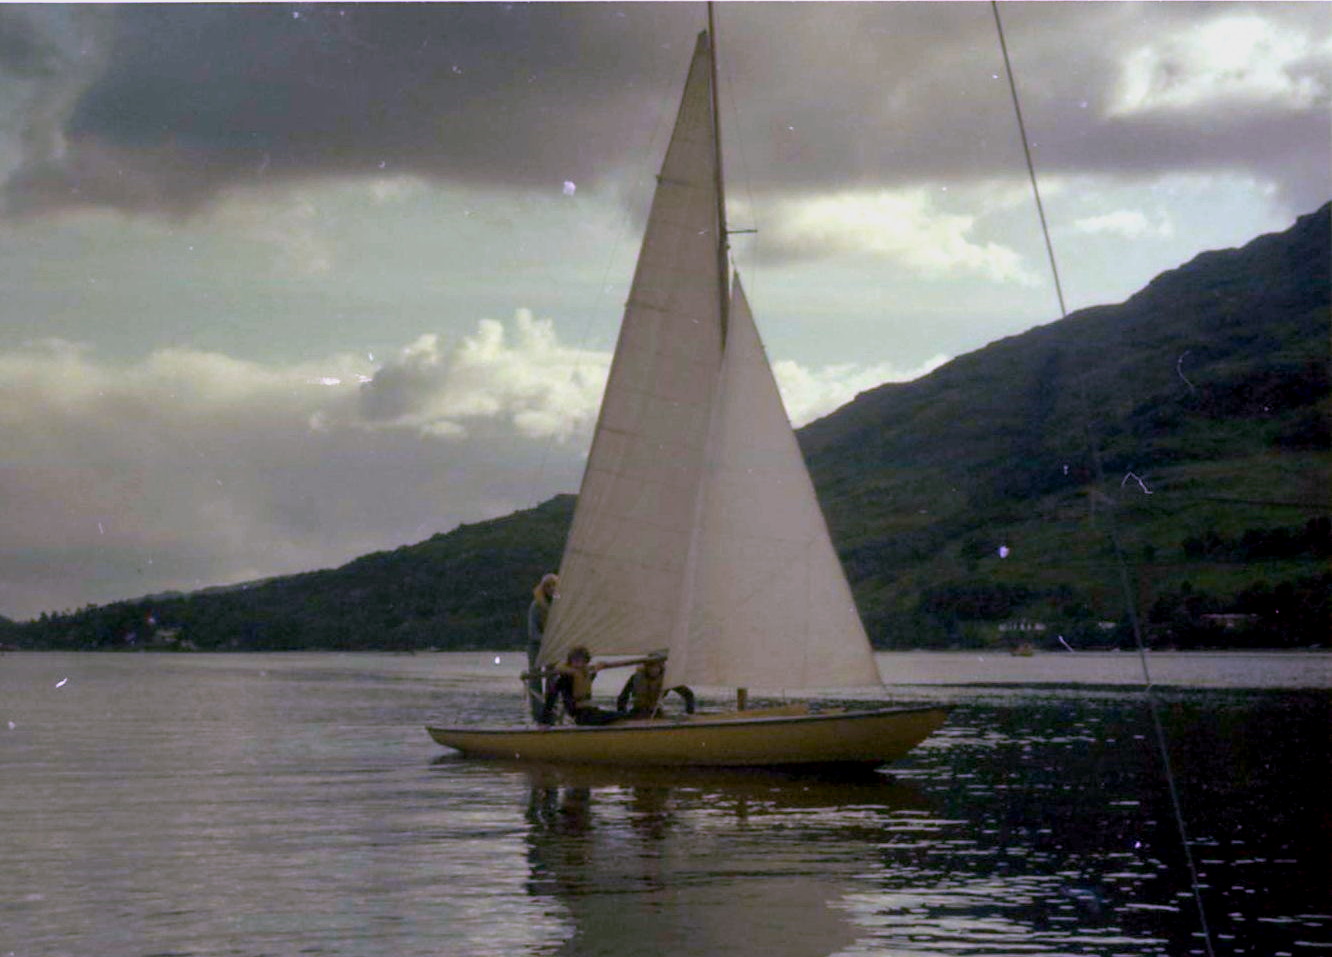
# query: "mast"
x,y
723,265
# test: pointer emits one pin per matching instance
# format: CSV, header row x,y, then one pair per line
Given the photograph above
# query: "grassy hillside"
x,y
1178,441
1199,405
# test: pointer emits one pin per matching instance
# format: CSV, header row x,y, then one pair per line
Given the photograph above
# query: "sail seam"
x,y
683,183
620,560
651,306
626,433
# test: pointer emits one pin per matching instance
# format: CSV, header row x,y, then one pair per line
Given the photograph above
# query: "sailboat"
x,y
697,528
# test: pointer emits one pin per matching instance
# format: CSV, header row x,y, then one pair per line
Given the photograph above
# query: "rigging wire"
x,y
1031,167
1122,564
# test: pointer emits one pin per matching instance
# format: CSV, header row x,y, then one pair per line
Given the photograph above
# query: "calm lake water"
x,y
292,804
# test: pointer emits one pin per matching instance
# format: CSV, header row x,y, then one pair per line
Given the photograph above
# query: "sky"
x,y
282,285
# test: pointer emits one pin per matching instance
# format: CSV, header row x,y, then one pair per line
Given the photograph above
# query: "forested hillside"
x,y
1197,408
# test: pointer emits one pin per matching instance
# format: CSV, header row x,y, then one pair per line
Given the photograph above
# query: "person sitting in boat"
x,y
644,687
573,686
537,613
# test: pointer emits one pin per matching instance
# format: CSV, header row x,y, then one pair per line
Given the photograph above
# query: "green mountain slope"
x,y
1204,398
1188,424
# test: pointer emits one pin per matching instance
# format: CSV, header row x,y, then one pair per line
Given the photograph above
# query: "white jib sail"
x,y
771,607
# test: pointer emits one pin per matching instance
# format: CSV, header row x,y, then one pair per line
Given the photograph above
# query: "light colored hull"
x,y
740,740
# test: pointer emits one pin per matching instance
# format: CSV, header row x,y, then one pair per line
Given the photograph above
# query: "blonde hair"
x,y
539,592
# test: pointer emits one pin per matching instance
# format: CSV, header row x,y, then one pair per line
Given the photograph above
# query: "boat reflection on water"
x,y
659,861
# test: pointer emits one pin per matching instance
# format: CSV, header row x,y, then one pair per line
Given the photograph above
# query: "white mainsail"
x,y
623,570
697,528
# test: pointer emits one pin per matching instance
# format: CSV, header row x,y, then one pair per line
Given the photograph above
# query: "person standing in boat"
x,y
573,686
644,687
537,613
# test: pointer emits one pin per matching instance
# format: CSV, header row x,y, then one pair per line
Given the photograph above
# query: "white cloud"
x,y
523,376
290,223
1129,224
1234,60
811,393
908,227
395,190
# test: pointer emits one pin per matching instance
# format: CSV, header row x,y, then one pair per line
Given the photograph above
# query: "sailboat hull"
x,y
764,740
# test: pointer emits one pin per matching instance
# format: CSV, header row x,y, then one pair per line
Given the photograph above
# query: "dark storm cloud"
x,y
24,52
196,98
